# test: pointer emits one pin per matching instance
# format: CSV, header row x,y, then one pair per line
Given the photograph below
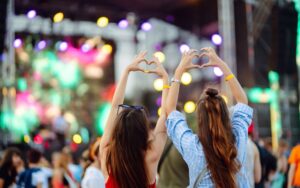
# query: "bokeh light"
x,y
123,24
107,48
146,26
77,139
86,48
31,14
216,39
184,48
102,21
160,55
225,98
27,139
63,46
58,17
158,84
186,78
189,107
159,111
17,43
218,71
41,45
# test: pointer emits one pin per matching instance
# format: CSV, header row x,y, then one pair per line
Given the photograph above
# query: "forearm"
x,y
160,126
119,94
291,175
235,87
118,98
174,92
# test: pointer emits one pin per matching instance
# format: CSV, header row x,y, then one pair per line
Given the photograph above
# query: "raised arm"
x,y
118,98
158,144
235,87
185,65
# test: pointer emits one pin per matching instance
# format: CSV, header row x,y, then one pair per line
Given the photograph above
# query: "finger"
x,y
192,51
156,59
194,67
206,49
140,69
205,65
203,54
142,54
153,72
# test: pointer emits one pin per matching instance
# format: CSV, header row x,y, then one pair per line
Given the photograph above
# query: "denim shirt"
x,y
190,148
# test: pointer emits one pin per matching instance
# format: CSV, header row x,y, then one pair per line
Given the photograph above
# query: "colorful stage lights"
x,y
186,78
58,17
146,26
189,107
216,39
102,21
31,14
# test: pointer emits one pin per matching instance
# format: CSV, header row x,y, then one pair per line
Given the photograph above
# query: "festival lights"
x,y
189,107
186,78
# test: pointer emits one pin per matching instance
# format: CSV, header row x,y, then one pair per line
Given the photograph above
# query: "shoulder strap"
x,y
200,177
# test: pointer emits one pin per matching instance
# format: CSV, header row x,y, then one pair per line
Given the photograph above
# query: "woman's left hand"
x,y
159,70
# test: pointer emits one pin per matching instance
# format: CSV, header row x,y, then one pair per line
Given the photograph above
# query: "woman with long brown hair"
x,y
130,151
216,153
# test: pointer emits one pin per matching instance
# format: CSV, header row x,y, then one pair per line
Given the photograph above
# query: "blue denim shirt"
x,y
190,148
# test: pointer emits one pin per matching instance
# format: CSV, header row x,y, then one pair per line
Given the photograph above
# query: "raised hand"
x,y
159,70
134,66
214,59
186,60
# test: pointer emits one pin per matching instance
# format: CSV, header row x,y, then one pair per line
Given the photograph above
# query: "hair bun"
x,y
211,92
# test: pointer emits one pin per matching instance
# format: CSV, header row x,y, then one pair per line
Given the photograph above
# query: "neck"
x,y
96,164
32,165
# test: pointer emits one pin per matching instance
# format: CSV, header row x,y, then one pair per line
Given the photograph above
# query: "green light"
x,y
273,77
22,84
101,117
85,135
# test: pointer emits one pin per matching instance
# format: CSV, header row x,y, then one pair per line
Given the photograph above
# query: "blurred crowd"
x,y
26,169
30,168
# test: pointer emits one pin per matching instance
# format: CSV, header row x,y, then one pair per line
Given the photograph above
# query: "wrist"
x,y
178,73
225,69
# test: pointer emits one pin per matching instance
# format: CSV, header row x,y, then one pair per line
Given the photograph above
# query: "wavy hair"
x,y
216,136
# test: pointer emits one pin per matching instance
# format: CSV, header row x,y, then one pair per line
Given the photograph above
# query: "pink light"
x,y
17,43
63,46
31,14
216,39
184,48
158,101
123,24
146,26
41,45
38,139
218,72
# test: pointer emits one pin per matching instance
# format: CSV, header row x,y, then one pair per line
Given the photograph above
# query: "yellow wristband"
x,y
229,77
166,87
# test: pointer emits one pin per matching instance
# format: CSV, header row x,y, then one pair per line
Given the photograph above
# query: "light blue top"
x,y
190,148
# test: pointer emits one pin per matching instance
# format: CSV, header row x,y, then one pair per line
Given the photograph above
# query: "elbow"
x,y
257,178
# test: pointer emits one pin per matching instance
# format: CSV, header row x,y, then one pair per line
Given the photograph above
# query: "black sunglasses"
x,y
126,106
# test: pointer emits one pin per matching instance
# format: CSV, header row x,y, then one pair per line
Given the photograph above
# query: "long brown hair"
x,y
216,136
125,159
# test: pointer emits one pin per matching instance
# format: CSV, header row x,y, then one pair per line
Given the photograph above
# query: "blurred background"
x,y
61,60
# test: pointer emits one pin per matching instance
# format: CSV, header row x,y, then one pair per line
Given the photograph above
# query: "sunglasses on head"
x,y
126,106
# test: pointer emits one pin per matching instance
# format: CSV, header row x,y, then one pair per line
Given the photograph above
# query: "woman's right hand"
x,y
186,60
134,66
214,59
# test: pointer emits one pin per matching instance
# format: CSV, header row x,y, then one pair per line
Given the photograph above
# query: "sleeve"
x,y
293,156
181,135
241,118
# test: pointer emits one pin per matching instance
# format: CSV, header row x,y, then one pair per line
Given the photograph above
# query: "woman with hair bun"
x,y
215,154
